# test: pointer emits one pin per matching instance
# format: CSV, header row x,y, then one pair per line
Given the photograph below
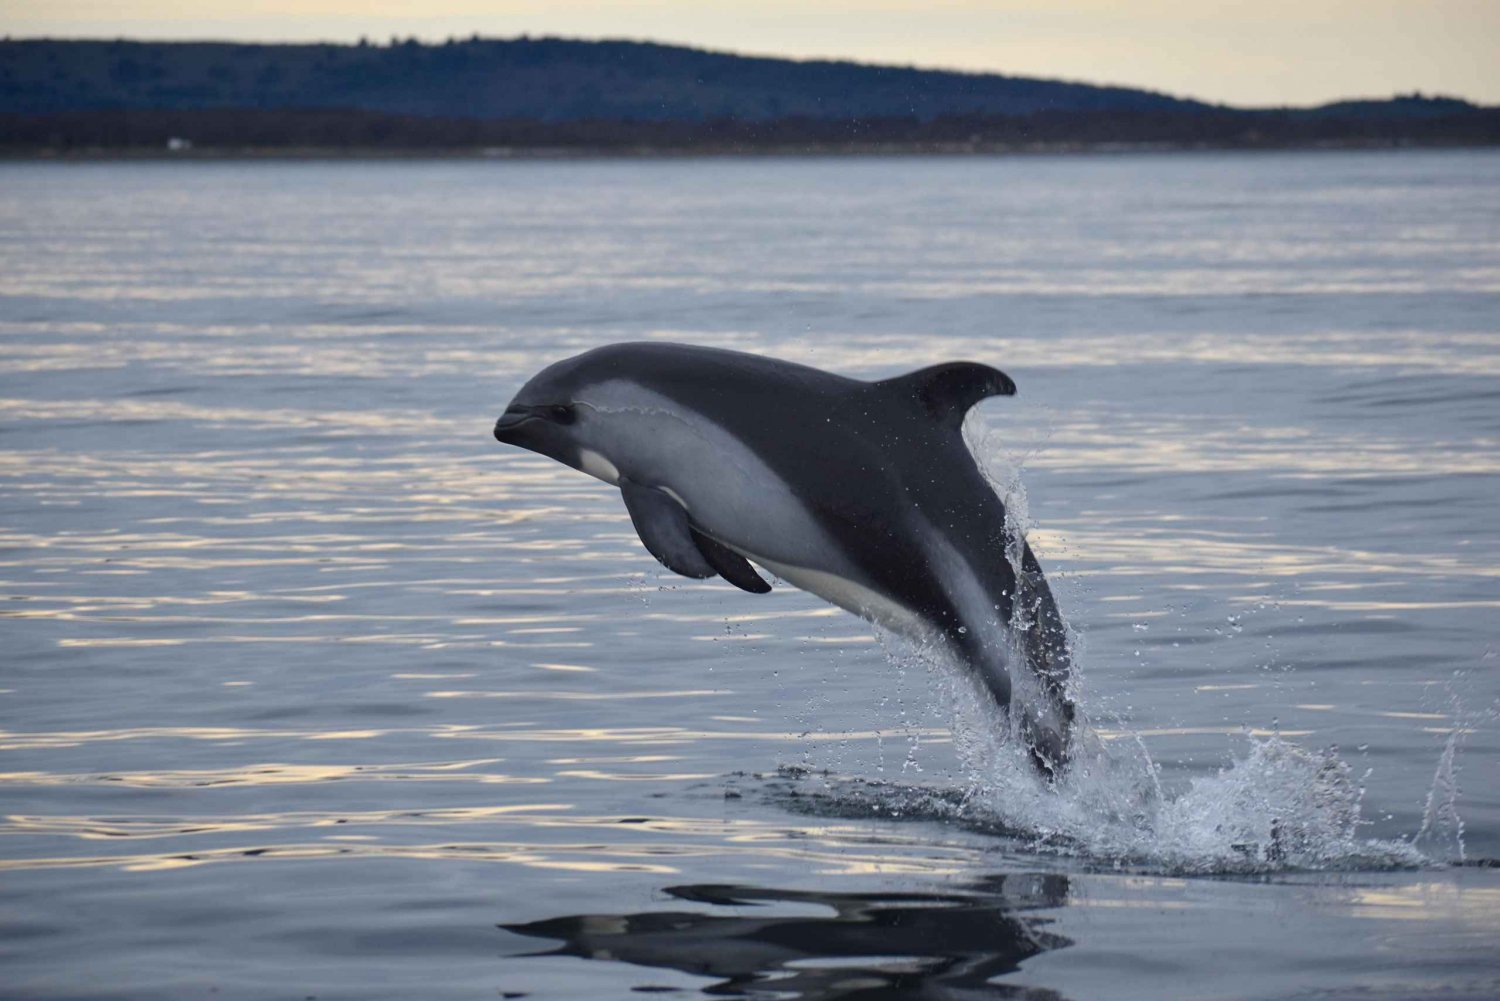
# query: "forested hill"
x,y
542,79
550,96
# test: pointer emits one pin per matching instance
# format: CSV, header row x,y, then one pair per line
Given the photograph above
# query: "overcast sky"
x,y
1270,52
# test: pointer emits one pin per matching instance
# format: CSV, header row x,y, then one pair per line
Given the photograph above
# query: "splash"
x,y
1277,806
1442,828
1441,824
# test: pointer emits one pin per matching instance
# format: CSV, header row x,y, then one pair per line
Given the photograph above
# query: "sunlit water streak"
x,y
273,597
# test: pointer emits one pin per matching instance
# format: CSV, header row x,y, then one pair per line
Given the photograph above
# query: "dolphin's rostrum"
x,y
863,493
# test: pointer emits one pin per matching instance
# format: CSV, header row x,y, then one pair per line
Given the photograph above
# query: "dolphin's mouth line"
x,y
514,418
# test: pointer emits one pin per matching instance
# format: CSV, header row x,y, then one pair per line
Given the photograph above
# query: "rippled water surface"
x,y
310,689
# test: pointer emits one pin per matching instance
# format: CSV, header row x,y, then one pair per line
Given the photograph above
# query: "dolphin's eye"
x,y
561,414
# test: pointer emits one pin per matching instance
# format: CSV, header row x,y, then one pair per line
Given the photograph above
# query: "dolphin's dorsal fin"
x,y
947,391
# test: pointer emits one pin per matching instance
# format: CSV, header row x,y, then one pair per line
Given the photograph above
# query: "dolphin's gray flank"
x,y
863,493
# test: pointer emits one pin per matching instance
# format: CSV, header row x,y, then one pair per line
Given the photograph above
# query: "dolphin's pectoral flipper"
x,y
662,524
947,391
730,565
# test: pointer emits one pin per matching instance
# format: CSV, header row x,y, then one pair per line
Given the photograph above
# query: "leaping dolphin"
x,y
863,493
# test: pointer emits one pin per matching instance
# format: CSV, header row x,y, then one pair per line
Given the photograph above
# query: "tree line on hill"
x,y
556,95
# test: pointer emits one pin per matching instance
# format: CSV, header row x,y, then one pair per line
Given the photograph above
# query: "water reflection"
x,y
871,945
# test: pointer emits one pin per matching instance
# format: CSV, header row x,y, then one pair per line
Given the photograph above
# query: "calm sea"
x,y
309,689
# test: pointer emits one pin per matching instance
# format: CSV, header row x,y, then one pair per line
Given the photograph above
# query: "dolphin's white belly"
x,y
851,596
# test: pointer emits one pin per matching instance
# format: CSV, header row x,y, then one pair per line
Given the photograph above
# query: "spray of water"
x,y
1442,830
1276,806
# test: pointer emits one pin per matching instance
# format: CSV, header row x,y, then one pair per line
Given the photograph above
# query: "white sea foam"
x,y
1275,805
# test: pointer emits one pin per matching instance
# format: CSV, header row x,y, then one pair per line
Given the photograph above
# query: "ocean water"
x,y
310,689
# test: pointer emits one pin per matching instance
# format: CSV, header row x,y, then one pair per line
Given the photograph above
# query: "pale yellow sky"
x,y
1270,52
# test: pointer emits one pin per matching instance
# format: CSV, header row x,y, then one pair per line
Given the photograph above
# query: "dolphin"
x,y
863,493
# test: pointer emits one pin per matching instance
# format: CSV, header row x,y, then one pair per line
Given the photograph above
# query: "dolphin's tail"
x,y
1040,634
1043,714
1027,664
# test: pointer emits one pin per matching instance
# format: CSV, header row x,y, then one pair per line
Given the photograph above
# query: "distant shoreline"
x,y
728,151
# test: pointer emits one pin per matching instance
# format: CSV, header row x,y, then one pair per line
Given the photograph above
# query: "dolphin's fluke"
x,y
662,524
730,565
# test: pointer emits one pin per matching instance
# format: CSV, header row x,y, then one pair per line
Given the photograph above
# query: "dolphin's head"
x,y
551,416
543,417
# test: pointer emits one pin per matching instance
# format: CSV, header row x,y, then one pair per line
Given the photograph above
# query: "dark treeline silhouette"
x,y
551,95
547,79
